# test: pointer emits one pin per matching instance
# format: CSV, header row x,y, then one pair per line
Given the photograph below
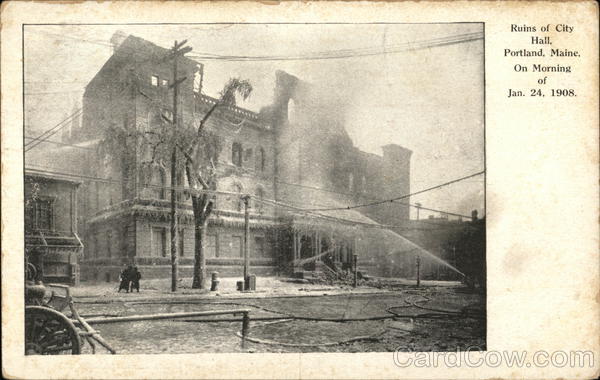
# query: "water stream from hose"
x,y
417,249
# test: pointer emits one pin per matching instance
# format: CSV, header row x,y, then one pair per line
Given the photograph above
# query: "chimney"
x,y
395,171
474,215
117,39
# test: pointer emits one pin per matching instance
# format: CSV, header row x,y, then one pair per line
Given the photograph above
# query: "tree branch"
x,y
202,123
190,161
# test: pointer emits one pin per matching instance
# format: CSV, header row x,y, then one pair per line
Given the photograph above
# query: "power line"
x,y
68,37
48,131
323,55
52,92
38,141
351,194
352,53
52,131
397,198
43,170
59,143
302,211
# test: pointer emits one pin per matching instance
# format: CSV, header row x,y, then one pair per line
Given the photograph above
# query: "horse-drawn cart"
x,y
48,331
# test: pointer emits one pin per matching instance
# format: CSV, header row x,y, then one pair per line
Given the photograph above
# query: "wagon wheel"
x,y
48,332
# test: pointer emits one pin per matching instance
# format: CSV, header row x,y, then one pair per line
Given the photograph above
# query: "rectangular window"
x,y
211,246
40,215
236,246
29,216
181,245
158,242
259,246
165,82
236,154
154,81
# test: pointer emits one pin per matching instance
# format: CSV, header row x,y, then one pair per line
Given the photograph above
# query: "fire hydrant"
x,y
214,281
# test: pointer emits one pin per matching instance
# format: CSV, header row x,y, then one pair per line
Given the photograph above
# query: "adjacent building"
x,y
52,245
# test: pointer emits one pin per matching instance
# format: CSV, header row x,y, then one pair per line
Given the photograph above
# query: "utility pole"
x,y
418,271
246,199
175,53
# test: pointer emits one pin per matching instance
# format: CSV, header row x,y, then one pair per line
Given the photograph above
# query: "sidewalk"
x,y
266,287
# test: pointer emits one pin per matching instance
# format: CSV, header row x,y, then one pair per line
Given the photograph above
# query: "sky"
x,y
430,101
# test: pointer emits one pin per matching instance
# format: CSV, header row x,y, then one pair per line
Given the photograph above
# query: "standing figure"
x,y
135,279
125,278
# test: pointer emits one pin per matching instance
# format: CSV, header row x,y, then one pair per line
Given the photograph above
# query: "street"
x,y
405,318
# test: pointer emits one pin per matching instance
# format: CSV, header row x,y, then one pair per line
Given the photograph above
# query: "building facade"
x,y
52,245
132,225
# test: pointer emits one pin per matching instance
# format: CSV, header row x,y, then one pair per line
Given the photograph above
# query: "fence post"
x,y
245,328
418,271
355,262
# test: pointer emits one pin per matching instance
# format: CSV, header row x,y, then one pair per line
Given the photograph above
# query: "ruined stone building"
x,y
295,152
318,167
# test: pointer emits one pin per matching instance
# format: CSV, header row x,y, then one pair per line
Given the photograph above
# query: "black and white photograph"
x,y
254,187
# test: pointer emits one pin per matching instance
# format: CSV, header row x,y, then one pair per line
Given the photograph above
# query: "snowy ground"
x,y
291,317
161,289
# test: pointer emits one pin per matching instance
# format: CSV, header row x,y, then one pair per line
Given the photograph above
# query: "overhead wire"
x,y
59,143
444,212
399,197
51,131
323,55
352,53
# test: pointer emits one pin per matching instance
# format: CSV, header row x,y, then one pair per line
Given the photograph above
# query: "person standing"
x,y
135,279
124,278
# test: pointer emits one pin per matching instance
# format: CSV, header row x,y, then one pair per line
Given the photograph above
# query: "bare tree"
x,y
198,149
200,153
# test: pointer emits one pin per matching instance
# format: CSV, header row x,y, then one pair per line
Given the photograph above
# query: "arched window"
x,y
157,183
363,184
248,154
236,154
260,159
155,120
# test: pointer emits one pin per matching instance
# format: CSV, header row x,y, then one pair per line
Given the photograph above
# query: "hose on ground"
x,y
373,338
